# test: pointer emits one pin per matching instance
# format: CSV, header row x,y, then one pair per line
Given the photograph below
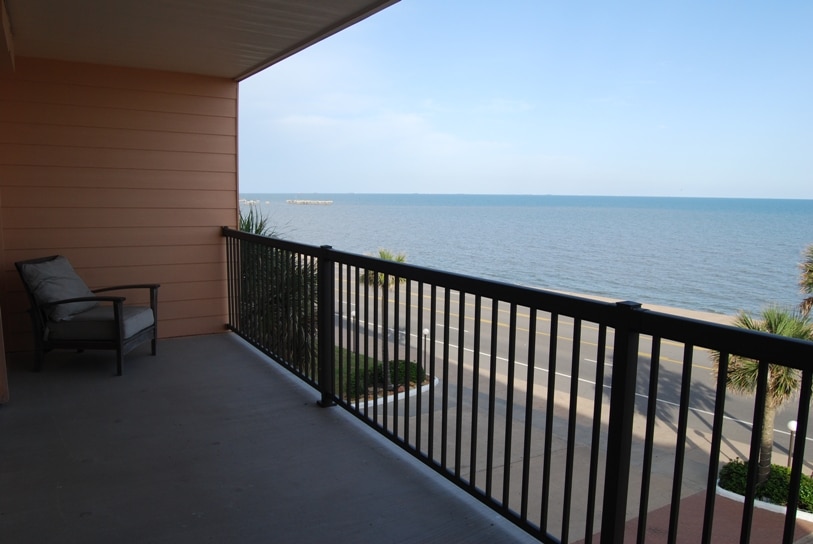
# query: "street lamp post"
x,y
354,329
425,334
792,429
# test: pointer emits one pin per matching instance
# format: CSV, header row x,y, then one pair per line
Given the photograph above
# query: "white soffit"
x,y
223,38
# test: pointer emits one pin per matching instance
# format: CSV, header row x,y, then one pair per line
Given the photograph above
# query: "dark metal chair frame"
x,y
39,322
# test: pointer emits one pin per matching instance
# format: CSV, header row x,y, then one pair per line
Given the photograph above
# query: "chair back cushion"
x,y
54,280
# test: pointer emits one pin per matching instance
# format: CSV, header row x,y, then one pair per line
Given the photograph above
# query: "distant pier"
x,y
310,202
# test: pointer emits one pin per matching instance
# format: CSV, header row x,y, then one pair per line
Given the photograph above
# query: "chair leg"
x,y
154,345
119,361
39,358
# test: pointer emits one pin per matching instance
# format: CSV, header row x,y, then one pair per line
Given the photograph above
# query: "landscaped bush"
x,y
355,385
734,475
405,372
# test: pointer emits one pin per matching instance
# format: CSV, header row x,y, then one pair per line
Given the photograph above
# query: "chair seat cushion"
x,y
55,280
99,324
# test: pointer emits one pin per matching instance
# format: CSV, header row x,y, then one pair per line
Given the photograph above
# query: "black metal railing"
x,y
559,412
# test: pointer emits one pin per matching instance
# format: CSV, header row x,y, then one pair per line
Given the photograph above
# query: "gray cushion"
x,y
98,324
55,280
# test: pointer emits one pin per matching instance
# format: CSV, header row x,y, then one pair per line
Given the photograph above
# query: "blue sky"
x,y
678,98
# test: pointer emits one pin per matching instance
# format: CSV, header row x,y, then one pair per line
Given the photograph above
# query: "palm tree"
x,y
385,282
806,279
783,382
379,279
277,294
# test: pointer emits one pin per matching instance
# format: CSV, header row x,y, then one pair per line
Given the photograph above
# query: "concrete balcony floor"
x,y
208,442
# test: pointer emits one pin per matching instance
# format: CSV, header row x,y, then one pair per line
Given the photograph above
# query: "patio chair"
x,y
66,314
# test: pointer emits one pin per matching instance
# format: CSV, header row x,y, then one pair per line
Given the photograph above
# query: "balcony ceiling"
x,y
224,38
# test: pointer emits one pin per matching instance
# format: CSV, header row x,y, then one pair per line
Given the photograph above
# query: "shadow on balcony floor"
x,y
208,442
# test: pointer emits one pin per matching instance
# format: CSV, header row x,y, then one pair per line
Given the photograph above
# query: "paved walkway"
x,y
767,526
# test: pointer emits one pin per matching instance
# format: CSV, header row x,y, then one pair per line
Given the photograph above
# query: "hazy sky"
x,y
673,98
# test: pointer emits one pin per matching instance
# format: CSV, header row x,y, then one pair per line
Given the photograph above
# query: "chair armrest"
x,y
150,286
153,287
82,299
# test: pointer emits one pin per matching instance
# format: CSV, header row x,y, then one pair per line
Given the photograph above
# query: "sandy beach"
x,y
711,317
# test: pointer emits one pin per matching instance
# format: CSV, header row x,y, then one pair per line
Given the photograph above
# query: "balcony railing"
x,y
559,412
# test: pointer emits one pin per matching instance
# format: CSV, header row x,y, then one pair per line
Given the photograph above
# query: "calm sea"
x,y
716,255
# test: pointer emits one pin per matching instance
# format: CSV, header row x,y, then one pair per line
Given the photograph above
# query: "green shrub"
x,y
733,477
404,372
347,380
353,384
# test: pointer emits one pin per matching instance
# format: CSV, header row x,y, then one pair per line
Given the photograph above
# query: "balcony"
x,y
212,440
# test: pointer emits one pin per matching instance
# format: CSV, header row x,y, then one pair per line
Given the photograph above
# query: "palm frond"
x,y
255,222
806,279
783,382
379,279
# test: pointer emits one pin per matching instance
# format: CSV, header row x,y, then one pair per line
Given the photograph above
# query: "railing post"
x,y
325,316
622,410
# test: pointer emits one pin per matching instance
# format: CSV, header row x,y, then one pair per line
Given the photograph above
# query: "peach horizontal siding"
x,y
129,173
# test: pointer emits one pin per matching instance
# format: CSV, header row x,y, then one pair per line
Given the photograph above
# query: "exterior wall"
x,y
129,173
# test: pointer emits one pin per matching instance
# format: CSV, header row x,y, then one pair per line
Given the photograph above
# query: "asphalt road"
x,y
453,333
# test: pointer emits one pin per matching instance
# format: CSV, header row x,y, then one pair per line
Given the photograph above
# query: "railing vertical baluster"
x,y
230,279
256,294
575,360
461,351
444,410
311,314
357,381
290,324
367,349
529,414
396,345
259,294
680,444
802,417
248,296
344,332
649,433
714,454
385,351
407,356
492,397
297,306
598,397
549,411
422,364
376,357
326,285
509,405
753,457
622,410
432,329
475,392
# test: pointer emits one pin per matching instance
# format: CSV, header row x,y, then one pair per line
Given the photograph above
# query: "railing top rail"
x,y
272,242
706,334
551,301
727,338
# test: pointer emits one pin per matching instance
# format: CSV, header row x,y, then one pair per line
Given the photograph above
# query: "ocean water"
x,y
706,254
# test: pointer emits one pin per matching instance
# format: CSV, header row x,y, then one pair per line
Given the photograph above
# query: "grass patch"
x,y
734,475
